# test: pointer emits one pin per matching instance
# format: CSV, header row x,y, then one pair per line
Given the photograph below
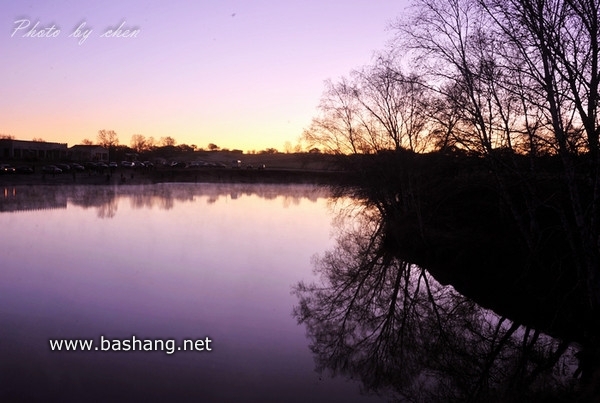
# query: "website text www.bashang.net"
x,y
169,346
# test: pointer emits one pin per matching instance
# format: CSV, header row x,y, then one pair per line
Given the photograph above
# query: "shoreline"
x,y
128,176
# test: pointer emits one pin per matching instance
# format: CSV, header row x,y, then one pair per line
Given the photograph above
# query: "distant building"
x,y
32,150
83,153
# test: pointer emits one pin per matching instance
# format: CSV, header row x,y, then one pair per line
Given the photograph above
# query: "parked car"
x,y
51,169
6,169
64,167
77,167
196,164
24,169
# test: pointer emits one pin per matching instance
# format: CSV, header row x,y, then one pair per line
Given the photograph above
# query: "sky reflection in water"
x,y
163,261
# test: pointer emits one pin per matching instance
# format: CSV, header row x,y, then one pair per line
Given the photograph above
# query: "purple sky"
x,y
240,74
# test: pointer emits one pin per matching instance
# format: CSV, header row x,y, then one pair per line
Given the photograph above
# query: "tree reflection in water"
x,y
388,323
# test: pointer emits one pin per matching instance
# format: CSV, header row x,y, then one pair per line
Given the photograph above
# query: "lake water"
x,y
168,262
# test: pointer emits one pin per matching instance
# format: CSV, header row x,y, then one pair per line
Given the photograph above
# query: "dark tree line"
x,y
512,84
484,75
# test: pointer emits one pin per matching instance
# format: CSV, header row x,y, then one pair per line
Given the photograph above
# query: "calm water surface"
x,y
171,262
